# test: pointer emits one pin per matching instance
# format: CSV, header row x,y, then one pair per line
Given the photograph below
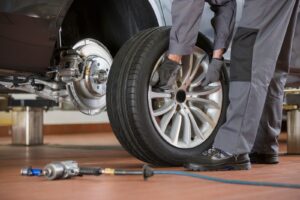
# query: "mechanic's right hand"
x,y
168,72
213,72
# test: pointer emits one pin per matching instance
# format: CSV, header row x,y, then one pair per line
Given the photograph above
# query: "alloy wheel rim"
x,y
187,115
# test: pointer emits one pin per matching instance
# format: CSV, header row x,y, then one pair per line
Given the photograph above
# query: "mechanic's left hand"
x,y
213,72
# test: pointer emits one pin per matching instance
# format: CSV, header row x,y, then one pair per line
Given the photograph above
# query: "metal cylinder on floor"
x,y
293,120
27,126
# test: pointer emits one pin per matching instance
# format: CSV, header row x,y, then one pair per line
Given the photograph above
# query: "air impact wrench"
x,y
61,170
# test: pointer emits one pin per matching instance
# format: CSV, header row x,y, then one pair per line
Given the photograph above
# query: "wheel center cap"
x,y
181,96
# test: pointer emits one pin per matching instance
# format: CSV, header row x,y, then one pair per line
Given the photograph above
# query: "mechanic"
x,y
186,17
260,61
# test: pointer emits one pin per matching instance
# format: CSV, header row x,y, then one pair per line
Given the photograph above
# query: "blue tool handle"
x,y
37,172
29,171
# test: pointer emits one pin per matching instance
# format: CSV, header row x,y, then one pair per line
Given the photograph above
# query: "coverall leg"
x,y
186,17
255,86
270,124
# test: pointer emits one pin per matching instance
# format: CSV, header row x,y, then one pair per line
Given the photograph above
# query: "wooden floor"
x,y
103,150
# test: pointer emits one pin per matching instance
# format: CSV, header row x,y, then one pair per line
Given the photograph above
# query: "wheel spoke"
x,y
187,129
198,62
193,69
190,65
196,82
207,91
175,130
165,108
156,95
202,116
208,102
166,119
195,125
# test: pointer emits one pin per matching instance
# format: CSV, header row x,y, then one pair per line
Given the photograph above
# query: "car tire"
x,y
129,105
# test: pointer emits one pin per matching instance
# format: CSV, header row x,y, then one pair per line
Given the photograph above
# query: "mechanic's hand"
x,y
213,72
168,72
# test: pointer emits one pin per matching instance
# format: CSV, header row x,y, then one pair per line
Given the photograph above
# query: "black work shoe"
x,y
260,158
168,72
217,160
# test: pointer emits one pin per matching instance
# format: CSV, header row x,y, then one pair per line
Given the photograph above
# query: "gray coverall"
x,y
186,17
260,61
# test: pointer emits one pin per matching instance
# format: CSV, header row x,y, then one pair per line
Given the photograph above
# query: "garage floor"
x,y
103,150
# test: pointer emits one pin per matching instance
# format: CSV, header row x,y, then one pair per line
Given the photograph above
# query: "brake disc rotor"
x,y
88,93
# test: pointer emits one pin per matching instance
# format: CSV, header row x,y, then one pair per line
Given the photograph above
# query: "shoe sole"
x,y
265,161
227,167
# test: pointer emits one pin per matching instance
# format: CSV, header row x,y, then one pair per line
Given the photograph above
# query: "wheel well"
x,y
111,22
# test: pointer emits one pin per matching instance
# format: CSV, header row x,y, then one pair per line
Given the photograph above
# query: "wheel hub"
x,y
96,74
181,96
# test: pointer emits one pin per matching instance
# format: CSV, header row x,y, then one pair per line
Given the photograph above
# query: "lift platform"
x,y
27,120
